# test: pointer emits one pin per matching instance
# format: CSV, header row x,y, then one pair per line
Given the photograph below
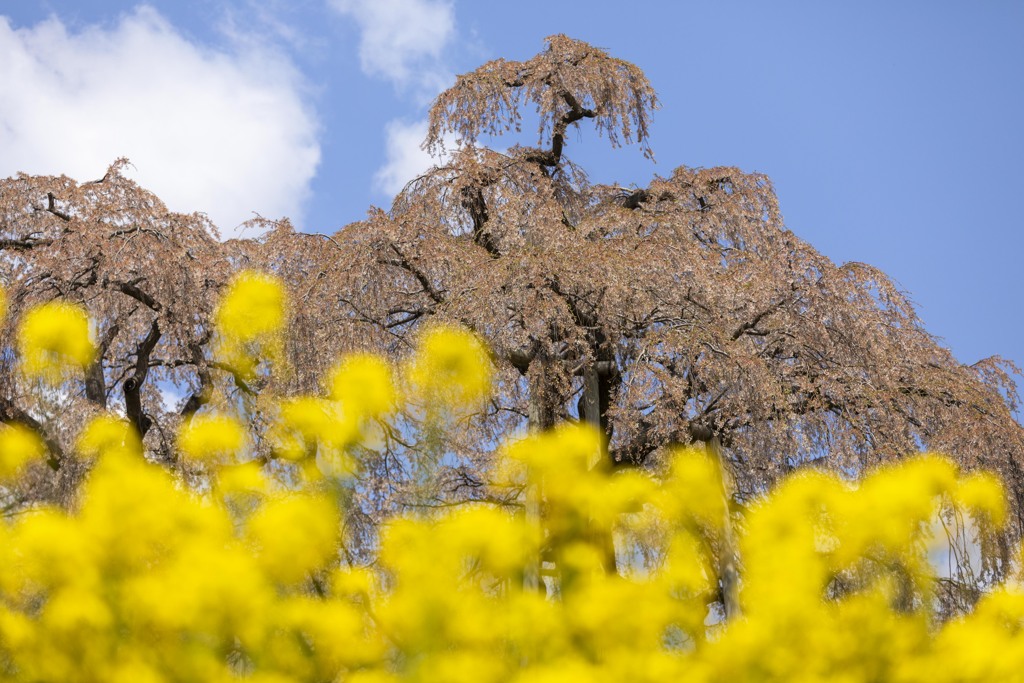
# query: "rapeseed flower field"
x,y
145,579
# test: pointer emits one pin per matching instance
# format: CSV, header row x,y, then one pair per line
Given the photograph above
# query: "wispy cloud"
x,y
406,159
225,132
271,23
403,40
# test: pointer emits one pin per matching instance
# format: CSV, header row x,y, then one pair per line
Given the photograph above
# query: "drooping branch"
x,y
749,325
51,207
613,92
403,262
132,289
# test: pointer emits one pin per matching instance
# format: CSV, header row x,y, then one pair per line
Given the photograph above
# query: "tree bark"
x,y
541,417
95,384
133,385
593,413
728,571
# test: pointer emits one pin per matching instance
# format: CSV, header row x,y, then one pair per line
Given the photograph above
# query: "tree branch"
x,y
201,396
420,276
552,157
131,289
51,207
133,385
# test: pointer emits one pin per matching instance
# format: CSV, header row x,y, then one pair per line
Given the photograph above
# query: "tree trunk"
x,y
728,572
593,412
541,417
95,384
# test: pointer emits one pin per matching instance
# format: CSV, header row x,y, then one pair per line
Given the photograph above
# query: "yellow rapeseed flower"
x,y
983,495
253,306
19,446
246,478
450,369
363,383
109,434
214,439
295,535
314,427
491,537
694,488
312,418
249,319
54,337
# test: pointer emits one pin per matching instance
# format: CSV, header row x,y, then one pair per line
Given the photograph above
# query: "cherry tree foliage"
x,y
680,312
683,311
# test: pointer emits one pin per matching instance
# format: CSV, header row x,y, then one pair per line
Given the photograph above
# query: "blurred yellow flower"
x,y
250,319
214,439
253,306
694,488
54,337
295,535
363,383
983,495
450,369
317,433
19,446
109,434
245,478
312,418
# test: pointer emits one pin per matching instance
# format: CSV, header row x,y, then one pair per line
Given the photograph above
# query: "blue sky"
x,y
894,131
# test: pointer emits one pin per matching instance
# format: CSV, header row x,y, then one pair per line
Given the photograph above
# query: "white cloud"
x,y
405,158
222,132
402,40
